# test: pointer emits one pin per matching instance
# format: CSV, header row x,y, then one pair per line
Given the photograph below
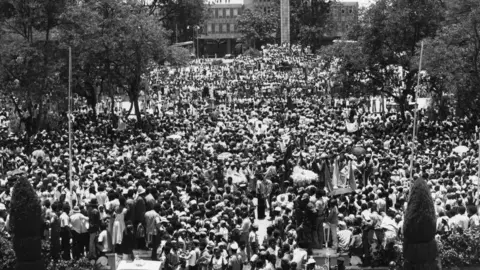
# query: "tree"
x,y
390,35
420,249
344,63
116,45
310,22
177,16
26,225
257,27
178,56
452,60
390,32
30,58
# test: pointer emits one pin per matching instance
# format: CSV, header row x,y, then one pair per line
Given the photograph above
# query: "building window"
x,y
343,11
217,28
351,10
224,28
216,13
220,12
235,12
232,28
209,28
227,12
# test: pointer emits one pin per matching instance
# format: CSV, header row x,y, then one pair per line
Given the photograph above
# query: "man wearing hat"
x,y
140,210
94,222
153,226
79,233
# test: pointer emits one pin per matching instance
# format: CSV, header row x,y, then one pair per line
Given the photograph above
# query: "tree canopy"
x,y
258,27
114,45
388,44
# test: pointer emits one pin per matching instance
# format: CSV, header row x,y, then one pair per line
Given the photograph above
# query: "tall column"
x,y
285,21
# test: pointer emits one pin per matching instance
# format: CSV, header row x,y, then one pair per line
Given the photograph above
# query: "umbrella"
x,y
341,191
358,151
460,149
224,155
38,154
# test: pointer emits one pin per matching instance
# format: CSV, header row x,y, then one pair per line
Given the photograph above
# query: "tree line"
x,y
114,45
383,52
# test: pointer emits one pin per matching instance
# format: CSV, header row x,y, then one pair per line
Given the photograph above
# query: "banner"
x,y
336,174
351,127
424,103
351,176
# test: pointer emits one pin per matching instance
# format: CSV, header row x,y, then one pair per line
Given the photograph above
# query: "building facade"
x,y
219,34
344,16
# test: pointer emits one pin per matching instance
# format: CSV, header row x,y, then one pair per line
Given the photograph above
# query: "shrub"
x,y
26,225
7,255
460,249
419,246
81,264
8,259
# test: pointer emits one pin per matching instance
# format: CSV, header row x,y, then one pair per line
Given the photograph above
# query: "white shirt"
x,y
192,258
64,220
103,240
300,257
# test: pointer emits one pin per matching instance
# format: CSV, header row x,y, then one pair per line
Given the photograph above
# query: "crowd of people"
x,y
194,186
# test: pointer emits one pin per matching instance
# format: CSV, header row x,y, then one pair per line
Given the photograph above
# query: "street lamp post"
x,y
195,29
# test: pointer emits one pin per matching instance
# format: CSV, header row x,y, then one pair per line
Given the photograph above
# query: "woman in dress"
x,y
119,224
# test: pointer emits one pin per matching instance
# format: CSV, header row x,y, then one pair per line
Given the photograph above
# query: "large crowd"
x,y
193,187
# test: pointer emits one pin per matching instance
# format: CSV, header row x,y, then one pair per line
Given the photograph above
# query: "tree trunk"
x,y
131,107
138,114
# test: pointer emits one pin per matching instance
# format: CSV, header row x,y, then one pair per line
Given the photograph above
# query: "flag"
x,y
351,127
336,174
328,178
351,176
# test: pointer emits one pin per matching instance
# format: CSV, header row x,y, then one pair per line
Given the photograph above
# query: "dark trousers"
x,y
261,207
85,239
65,244
155,244
79,244
270,208
139,243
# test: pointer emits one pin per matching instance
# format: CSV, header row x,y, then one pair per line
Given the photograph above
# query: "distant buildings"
x,y
219,34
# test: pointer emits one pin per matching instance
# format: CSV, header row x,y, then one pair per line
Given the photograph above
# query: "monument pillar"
x,y
285,21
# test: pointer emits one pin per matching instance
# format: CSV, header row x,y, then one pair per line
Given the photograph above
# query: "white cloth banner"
x,y
351,127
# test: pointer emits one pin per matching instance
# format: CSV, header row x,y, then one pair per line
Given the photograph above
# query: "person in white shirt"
x,y
192,256
300,256
460,220
224,230
79,233
102,244
101,195
344,237
65,232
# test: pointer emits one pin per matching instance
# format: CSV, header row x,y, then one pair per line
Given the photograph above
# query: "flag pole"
x,y
70,121
478,138
415,114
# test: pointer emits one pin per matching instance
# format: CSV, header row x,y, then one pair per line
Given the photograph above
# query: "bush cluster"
x,y
8,259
